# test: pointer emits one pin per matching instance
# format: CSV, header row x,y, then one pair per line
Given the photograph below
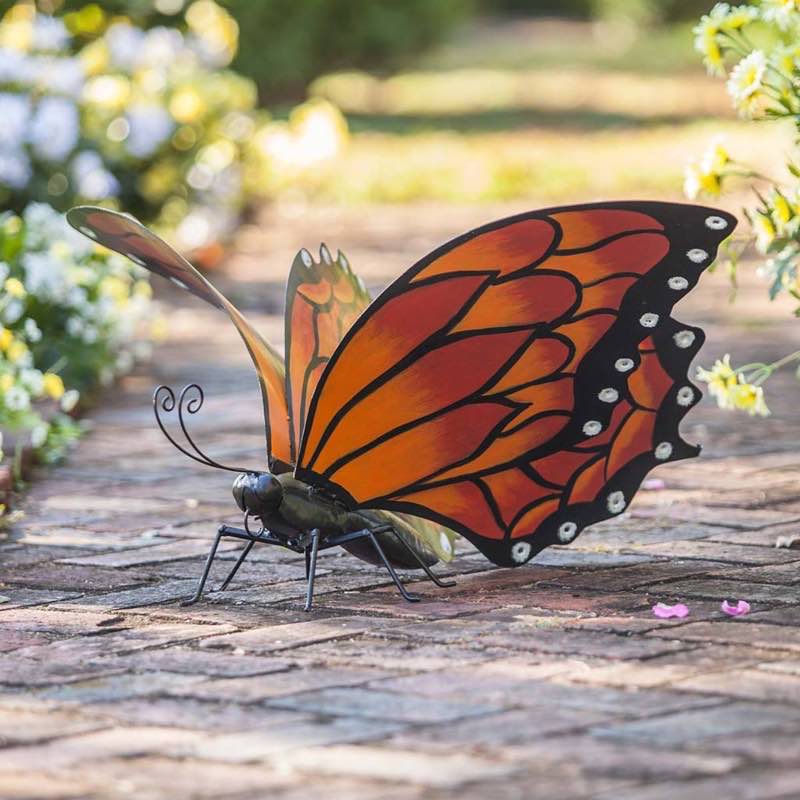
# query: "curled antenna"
x,y
164,400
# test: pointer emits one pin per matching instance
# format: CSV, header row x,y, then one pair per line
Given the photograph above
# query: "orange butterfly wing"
x,y
323,299
517,384
125,235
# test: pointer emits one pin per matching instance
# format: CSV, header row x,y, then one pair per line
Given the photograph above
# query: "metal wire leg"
x,y
435,578
198,593
411,598
242,556
311,568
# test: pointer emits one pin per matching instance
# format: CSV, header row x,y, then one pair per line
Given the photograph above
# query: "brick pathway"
x,y
551,681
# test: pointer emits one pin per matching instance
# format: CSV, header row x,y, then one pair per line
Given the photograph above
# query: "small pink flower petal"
x,y
654,484
741,607
663,611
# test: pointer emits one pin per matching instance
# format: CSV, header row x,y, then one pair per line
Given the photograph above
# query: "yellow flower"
x,y
53,385
765,231
698,181
115,288
745,396
746,83
6,337
715,158
705,176
738,17
782,209
107,91
142,289
187,105
721,378
707,33
16,351
16,31
15,287
6,382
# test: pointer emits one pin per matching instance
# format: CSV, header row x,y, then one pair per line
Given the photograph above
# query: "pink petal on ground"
x,y
663,611
741,607
653,484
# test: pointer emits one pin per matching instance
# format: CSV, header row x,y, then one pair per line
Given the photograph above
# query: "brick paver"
x,y
551,681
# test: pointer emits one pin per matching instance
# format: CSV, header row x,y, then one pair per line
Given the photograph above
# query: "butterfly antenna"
x,y
164,401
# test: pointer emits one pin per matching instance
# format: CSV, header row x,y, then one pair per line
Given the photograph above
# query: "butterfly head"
x,y
260,494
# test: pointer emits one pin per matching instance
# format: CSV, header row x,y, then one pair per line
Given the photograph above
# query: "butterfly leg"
x,y
311,567
412,598
242,556
198,593
425,568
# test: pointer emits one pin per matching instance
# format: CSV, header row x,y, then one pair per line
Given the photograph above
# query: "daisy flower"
x,y
746,83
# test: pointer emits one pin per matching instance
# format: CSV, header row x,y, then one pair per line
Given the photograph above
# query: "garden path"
x,y
553,680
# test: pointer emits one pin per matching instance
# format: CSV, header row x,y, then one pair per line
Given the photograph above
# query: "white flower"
x,y
77,298
160,47
746,82
45,277
15,111
55,128
14,66
56,75
15,168
17,399
39,435
90,335
74,326
32,331
150,126
94,181
4,271
124,45
13,311
781,12
49,33
33,381
45,227
69,400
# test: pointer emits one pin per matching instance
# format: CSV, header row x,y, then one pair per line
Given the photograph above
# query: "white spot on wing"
x,y
648,320
663,451
521,552
615,502
567,531
608,395
716,223
696,255
592,427
685,396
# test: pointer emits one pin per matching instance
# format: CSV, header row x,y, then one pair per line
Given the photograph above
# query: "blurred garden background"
x,y
222,123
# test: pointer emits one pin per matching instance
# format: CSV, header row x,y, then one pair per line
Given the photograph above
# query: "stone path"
x,y
550,681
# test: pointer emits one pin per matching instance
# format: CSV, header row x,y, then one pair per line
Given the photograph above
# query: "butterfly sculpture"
x,y
514,386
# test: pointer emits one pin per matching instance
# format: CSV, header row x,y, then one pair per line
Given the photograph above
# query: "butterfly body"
x,y
288,507
514,386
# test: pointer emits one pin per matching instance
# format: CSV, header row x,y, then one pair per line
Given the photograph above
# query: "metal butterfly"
x,y
514,386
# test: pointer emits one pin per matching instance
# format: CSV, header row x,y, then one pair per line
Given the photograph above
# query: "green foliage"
x,y
284,44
